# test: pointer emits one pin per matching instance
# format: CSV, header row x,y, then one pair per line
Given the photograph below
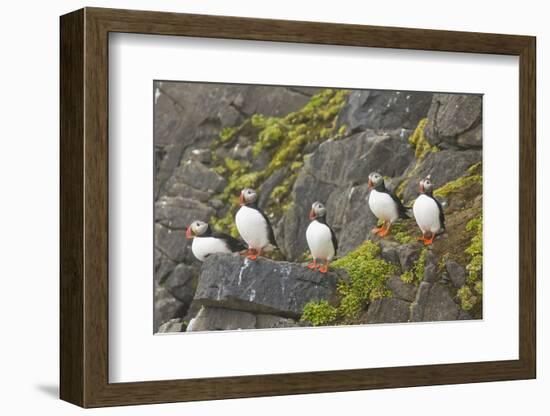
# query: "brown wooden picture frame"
x,y
84,207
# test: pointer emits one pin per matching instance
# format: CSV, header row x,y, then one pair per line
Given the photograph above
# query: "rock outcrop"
x,y
261,287
298,145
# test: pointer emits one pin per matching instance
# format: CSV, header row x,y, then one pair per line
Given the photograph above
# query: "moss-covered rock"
x,y
367,276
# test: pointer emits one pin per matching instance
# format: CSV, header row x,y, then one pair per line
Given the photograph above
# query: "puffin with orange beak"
x,y
320,238
385,205
207,242
253,225
428,212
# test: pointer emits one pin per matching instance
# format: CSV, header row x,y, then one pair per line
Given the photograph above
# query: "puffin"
x,y
320,238
428,212
253,225
206,241
385,205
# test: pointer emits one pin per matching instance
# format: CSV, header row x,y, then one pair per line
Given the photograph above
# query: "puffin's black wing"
x,y
270,233
233,244
334,240
403,212
441,214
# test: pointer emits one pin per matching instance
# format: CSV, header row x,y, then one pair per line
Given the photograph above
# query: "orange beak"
x,y
189,233
370,184
312,214
241,199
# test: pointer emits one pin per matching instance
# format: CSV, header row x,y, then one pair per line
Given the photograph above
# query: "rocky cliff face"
x,y
297,146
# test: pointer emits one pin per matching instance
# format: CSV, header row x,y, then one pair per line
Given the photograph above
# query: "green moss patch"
x,y
470,295
367,273
419,141
320,313
458,184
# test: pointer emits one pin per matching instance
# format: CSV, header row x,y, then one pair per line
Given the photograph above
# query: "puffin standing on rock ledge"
x,y
206,241
428,212
253,225
320,238
385,205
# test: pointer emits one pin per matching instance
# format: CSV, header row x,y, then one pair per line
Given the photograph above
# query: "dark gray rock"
x,y
163,266
220,319
419,304
431,274
443,166
189,116
179,189
272,101
173,325
400,289
273,321
349,161
350,217
454,119
456,273
181,282
471,138
270,184
176,212
215,203
202,155
440,306
408,254
166,307
388,310
384,110
173,244
199,176
262,286
389,251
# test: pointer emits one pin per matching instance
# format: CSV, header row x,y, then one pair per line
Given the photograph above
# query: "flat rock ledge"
x,y
262,286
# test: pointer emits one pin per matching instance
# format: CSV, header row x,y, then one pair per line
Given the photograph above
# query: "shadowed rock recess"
x,y
296,146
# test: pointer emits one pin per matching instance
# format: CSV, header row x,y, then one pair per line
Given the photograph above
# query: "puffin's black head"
x,y
376,180
318,210
196,229
248,196
426,186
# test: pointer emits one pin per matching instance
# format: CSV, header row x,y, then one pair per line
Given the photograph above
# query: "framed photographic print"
x,y
261,207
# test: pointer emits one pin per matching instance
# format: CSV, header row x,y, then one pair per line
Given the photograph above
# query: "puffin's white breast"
x,y
203,246
252,227
319,240
383,206
426,214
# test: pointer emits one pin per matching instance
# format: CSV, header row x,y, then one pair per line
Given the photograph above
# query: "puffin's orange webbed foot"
x,y
429,241
323,268
376,230
384,232
252,256
313,266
